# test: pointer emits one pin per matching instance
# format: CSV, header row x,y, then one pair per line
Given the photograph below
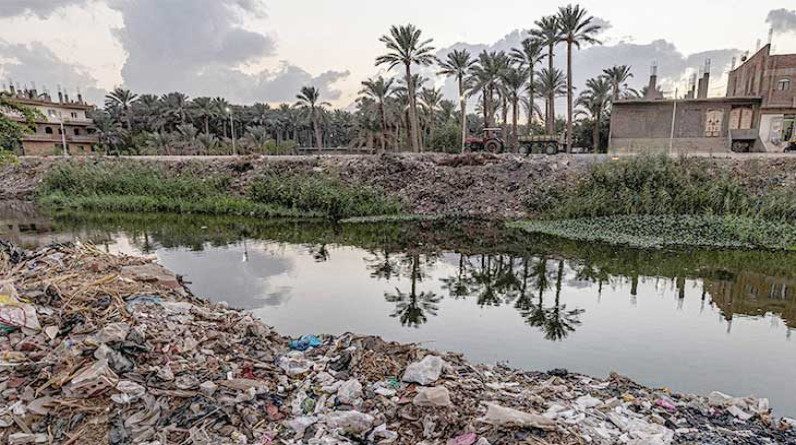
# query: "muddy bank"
x,y
98,348
433,184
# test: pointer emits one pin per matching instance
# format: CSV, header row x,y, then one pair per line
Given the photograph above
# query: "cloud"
x,y
35,62
200,47
782,20
41,8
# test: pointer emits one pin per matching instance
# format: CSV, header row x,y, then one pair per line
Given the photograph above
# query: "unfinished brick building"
x,y
757,113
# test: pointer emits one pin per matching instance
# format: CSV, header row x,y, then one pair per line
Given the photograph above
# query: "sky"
x,y
266,50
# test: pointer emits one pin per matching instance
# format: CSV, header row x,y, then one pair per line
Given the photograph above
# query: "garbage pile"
x,y
97,348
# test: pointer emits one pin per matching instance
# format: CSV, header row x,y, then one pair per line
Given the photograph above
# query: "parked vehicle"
x,y
490,141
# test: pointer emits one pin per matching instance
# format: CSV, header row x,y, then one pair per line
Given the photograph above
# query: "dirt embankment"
x,y
502,186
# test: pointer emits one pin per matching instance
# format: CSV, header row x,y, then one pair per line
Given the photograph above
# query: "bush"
x,y
325,195
659,185
447,139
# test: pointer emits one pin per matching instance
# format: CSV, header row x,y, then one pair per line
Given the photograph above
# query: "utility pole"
x,y
63,134
674,119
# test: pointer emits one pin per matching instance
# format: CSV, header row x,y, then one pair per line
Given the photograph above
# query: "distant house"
x,y
757,113
63,125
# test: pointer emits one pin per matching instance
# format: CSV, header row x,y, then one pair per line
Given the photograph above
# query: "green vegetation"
x,y
655,201
11,130
656,231
131,187
304,192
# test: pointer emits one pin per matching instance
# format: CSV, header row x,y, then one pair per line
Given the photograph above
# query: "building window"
x,y
48,130
74,115
51,113
59,131
77,132
783,85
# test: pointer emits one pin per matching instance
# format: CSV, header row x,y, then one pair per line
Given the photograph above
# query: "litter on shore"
x,y
99,348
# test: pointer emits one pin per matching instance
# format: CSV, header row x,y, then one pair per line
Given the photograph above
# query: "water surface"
x,y
693,321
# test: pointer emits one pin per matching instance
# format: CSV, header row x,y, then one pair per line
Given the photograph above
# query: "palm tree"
x,y
576,29
485,76
593,102
549,33
175,107
222,107
122,99
406,47
514,80
551,84
430,99
204,109
618,75
447,110
309,99
160,142
379,89
529,56
458,64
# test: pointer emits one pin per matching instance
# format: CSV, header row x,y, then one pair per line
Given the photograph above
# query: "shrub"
x,y
322,194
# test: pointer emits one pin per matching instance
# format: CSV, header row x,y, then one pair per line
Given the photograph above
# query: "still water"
x,y
693,321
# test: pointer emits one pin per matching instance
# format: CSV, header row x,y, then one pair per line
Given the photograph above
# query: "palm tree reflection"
x,y
411,308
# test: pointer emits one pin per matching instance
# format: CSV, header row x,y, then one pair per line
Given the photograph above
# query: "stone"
x,y
208,388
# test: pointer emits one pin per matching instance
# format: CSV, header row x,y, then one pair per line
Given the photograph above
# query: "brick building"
x,y
62,125
757,113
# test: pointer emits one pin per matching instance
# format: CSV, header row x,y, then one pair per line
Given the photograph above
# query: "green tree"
x,y
529,55
549,33
174,108
11,129
593,102
406,47
123,100
514,80
310,100
577,28
552,84
617,75
457,64
430,99
379,90
485,76
204,109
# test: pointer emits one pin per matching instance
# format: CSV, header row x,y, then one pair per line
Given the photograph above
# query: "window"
x,y
77,132
783,85
51,113
74,115
48,130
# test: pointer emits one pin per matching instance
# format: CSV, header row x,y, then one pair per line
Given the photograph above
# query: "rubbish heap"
x,y
97,348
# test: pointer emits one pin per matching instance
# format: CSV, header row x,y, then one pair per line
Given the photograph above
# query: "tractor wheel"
x,y
493,146
551,149
524,150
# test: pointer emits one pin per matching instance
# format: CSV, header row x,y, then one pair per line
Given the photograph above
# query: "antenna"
x,y
770,35
654,69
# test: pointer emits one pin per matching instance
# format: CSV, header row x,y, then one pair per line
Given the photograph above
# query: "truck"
x,y
490,140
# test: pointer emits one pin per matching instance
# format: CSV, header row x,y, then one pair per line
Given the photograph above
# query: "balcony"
x,y
39,137
83,139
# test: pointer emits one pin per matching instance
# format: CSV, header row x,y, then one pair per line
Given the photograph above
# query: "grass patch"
x,y
658,231
133,187
660,185
326,195
403,217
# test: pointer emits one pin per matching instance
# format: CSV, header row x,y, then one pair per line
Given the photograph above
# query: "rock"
x,y
152,273
438,396
501,416
424,372
24,438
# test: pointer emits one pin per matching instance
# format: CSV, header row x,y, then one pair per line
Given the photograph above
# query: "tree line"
x,y
392,113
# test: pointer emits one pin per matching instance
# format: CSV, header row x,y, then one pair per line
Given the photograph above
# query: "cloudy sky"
x,y
265,50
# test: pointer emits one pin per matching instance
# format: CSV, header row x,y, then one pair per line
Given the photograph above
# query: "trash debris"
x,y
425,372
126,356
305,342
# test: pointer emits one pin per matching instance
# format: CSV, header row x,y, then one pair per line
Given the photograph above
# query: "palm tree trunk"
x,y
463,106
530,102
413,123
207,126
551,97
569,97
317,129
485,106
596,134
505,110
514,118
383,127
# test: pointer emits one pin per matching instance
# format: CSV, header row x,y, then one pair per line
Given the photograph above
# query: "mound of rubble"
x,y
97,348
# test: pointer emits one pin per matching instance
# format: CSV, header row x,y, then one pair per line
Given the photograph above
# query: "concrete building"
x,y
757,113
62,125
